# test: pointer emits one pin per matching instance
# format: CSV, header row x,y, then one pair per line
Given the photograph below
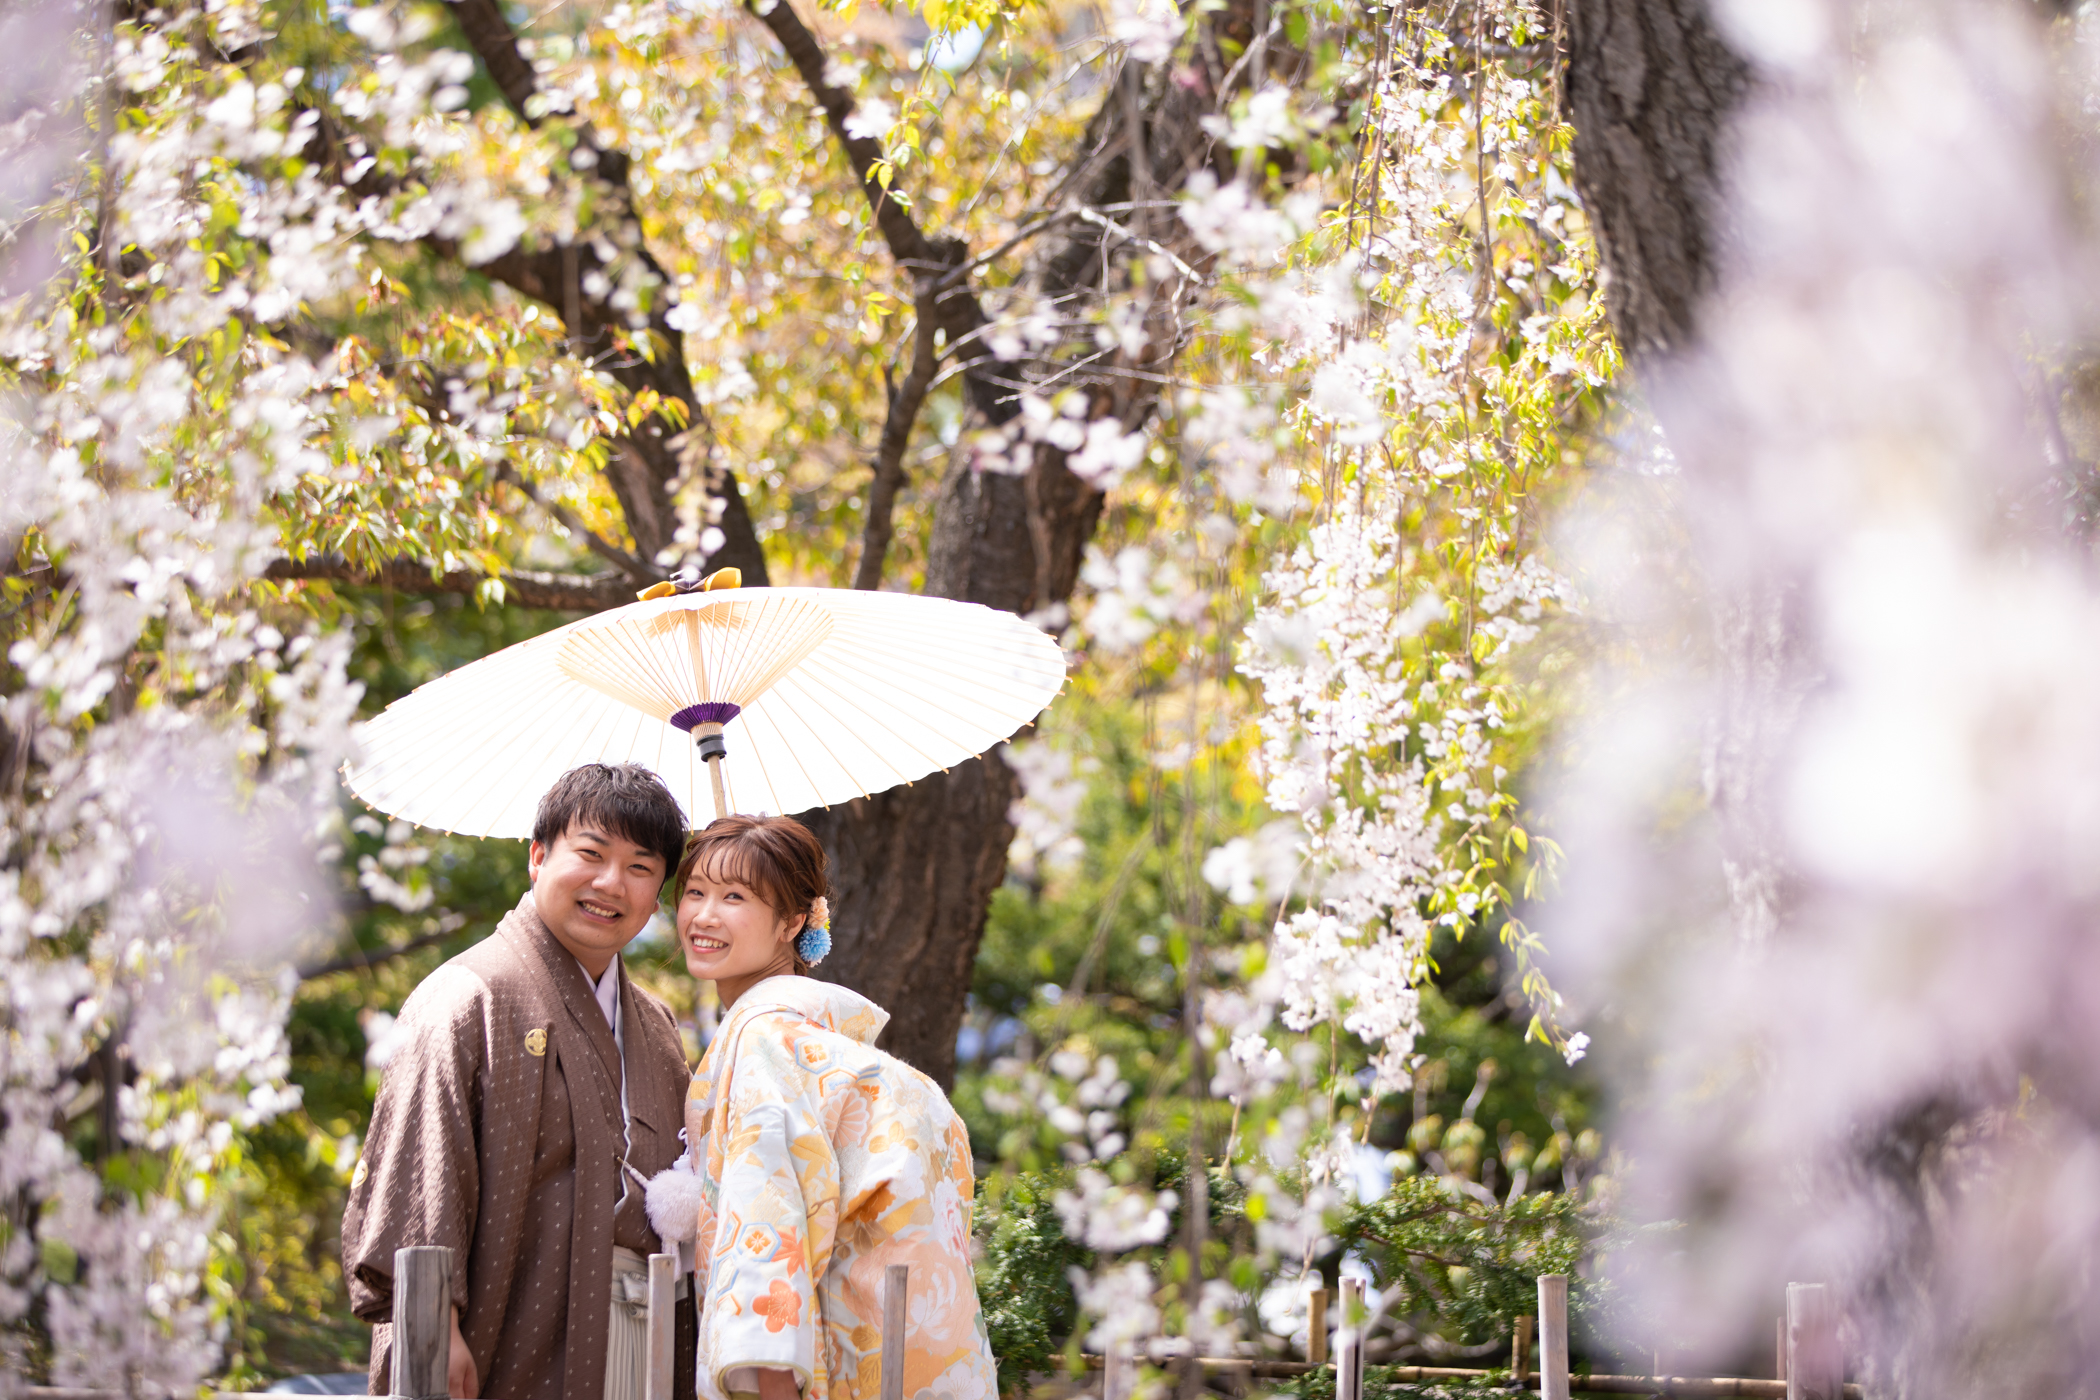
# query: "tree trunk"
x,y
1651,88
913,870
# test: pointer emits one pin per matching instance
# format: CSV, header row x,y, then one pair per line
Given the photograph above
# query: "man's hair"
x,y
623,799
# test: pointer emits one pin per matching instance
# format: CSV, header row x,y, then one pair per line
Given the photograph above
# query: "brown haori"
x,y
497,1132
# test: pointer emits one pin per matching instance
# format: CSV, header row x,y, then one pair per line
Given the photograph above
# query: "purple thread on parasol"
x,y
706,712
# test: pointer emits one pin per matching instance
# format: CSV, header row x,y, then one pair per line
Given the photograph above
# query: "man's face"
x,y
594,891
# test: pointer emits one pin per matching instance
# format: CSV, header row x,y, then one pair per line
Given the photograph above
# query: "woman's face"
x,y
728,932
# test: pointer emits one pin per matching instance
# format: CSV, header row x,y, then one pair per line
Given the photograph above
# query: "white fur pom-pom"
x,y
674,1199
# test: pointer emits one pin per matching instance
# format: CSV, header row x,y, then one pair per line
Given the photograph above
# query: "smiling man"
x,y
535,1091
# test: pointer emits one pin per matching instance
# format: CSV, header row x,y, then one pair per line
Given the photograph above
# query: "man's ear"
x,y
534,861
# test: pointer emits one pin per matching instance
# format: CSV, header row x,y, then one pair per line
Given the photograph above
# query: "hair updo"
x,y
775,857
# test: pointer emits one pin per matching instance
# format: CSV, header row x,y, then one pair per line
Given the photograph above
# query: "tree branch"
x,y
611,553
1103,222
362,958
908,244
560,592
905,402
957,313
490,35
956,274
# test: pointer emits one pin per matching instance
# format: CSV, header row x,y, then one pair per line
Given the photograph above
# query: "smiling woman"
x,y
750,888
815,1160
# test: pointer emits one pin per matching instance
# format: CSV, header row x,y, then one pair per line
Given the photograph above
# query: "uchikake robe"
x,y
497,1132
822,1161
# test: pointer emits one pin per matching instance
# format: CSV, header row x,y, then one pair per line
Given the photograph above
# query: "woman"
x,y
813,1160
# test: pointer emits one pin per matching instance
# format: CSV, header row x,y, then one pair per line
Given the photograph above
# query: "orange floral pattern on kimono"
x,y
781,1307
823,1161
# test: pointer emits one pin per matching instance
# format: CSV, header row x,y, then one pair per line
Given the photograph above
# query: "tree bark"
x,y
1651,89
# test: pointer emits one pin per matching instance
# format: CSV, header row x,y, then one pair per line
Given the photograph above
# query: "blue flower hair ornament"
x,y
813,944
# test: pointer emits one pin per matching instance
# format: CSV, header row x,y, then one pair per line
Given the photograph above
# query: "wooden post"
x,y
1349,1343
1553,1337
894,1286
1815,1366
422,1322
1316,1327
663,1326
1520,1351
1118,1375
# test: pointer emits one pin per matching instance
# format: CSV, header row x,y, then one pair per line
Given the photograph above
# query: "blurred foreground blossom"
x,y
1867,987
169,729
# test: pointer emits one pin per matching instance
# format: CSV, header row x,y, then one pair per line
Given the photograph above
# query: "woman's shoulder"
x,y
825,1004
795,1039
776,1042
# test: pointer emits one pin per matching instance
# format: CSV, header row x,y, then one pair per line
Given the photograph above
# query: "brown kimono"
x,y
498,1132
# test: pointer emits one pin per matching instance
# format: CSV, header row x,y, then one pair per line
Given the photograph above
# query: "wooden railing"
x,y
1811,1359
1812,1362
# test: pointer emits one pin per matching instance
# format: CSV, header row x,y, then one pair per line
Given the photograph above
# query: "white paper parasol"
x,y
819,694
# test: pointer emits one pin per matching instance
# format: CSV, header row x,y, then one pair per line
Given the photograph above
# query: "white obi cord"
x,y
674,1197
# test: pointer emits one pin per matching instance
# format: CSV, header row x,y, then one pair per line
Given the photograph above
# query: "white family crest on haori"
x,y
825,694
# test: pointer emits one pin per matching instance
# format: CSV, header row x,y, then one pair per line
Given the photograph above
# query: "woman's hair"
x,y
774,856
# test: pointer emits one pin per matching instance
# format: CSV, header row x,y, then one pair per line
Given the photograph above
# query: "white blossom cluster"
x,y
1076,1102
1106,1215
1335,688
1045,815
1392,628
1135,591
1384,713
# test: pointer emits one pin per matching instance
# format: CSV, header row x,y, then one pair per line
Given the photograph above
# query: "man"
x,y
535,1092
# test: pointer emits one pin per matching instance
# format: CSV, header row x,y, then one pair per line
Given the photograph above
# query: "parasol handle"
x,y
708,738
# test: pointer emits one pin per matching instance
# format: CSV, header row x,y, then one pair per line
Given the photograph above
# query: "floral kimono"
x,y
823,1160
